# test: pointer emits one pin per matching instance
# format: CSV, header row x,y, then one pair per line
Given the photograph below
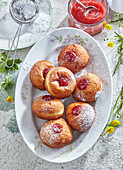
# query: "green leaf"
x,y
9,69
118,64
9,62
17,61
7,83
2,84
16,66
118,36
12,68
122,43
2,67
3,58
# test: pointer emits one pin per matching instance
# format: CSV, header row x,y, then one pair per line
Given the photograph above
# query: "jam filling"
x,y
57,128
63,81
91,17
77,110
45,71
83,84
47,98
70,56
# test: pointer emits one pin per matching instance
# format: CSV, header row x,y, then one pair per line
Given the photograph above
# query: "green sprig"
x,y
120,96
7,82
119,39
117,112
117,18
119,51
3,61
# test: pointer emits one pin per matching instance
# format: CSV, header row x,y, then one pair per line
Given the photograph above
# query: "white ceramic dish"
x,y
48,48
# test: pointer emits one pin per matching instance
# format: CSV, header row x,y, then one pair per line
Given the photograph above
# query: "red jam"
x,y
91,17
78,19
47,98
70,56
83,84
77,110
63,81
57,128
45,71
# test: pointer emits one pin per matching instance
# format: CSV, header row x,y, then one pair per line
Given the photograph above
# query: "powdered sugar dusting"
x,y
82,72
80,96
86,117
48,135
99,92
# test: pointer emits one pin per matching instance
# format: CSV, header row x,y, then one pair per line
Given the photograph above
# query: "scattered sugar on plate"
x,y
80,73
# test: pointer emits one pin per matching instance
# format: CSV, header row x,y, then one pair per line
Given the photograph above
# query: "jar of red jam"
x,y
92,22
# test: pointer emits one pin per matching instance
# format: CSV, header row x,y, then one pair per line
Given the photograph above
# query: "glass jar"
x,y
91,29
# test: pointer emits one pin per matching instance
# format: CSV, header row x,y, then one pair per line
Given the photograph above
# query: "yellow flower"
x,y
110,44
108,26
115,123
110,130
9,99
104,23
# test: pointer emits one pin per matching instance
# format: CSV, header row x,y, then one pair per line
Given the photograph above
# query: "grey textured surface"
x,y
106,154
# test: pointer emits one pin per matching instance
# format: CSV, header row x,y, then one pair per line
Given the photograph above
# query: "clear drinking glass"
x,y
116,5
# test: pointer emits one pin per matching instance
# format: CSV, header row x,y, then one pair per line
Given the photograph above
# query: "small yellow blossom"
x,y
110,130
108,26
110,44
9,99
104,23
115,123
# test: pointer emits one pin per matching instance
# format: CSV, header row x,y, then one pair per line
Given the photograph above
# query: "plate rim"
x,y
109,109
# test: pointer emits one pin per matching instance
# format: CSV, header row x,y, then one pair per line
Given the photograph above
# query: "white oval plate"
x,y
48,48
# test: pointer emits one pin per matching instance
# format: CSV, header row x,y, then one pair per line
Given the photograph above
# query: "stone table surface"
x,y
106,154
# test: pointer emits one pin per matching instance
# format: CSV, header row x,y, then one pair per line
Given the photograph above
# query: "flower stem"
x,y
115,106
7,92
112,21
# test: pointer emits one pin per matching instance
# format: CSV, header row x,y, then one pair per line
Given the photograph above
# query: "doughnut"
x,y
88,88
80,116
38,73
48,108
74,57
60,82
56,133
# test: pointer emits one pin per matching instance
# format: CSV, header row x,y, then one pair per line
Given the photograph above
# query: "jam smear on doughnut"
x,y
45,71
70,56
57,128
83,84
63,81
47,98
77,110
